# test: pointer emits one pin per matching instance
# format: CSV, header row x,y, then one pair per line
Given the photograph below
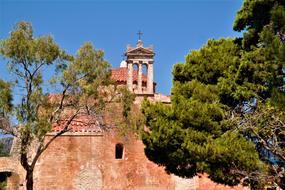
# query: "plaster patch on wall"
x,y
88,179
184,184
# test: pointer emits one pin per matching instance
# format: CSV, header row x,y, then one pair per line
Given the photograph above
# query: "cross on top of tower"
x,y
139,34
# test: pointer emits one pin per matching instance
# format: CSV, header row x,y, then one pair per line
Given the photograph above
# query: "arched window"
x,y
119,151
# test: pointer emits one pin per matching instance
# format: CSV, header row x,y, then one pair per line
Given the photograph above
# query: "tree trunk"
x,y
29,179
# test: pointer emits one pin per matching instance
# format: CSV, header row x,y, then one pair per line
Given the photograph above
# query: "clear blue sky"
x,y
174,27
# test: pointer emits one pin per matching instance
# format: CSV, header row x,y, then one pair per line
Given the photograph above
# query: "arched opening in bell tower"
x,y
144,81
144,69
135,76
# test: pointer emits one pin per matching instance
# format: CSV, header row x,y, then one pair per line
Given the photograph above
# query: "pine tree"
x,y
227,105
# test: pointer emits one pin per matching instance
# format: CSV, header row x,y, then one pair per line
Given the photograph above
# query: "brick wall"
x,y
88,162
83,162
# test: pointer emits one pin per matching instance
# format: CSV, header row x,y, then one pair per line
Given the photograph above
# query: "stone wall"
x,y
17,179
87,162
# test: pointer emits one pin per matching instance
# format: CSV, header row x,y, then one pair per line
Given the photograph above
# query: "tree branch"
x,y
6,127
42,147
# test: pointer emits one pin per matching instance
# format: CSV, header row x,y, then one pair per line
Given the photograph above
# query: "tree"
x,y
79,84
129,120
255,14
264,21
230,90
196,134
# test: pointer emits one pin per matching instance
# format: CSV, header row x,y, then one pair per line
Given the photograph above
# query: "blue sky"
x,y
174,27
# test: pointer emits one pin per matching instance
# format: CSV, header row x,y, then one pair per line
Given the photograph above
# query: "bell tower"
x,y
137,82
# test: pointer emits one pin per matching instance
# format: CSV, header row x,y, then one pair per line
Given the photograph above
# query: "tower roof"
x,y
140,50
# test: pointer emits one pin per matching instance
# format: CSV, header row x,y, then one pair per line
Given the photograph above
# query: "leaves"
x,y
227,105
5,98
80,83
254,15
196,134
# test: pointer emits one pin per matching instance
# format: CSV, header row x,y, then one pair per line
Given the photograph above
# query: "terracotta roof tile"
x,y
82,123
121,74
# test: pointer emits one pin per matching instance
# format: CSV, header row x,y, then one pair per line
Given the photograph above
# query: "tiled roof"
x,y
121,75
82,123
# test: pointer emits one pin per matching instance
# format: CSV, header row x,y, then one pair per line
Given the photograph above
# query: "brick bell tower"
x,y
140,56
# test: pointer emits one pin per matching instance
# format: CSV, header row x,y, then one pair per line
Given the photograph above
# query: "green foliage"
x,y
198,146
264,44
129,120
227,105
28,56
87,71
5,98
79,84
201,68
22,47
255,14
196,133
127,99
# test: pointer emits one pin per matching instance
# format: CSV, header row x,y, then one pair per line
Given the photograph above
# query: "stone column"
x,y
150,78
130,76
140,78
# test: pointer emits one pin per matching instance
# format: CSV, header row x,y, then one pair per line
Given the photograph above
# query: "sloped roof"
x,y
121,75
82,123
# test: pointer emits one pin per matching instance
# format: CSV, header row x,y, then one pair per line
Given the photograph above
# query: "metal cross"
x,y
139,34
